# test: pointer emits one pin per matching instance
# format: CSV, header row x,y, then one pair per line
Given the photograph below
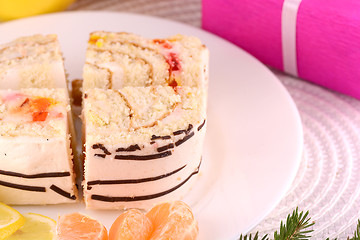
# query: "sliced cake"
x,y
34,62
36,164
143,144
144,118
116,60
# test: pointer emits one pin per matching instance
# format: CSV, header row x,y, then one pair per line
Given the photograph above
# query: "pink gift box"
x,y
327,40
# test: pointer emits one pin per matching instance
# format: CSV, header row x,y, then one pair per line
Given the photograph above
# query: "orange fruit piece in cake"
x,y
76,226
173,220
131,225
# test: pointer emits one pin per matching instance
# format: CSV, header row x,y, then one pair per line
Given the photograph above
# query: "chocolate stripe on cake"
x,y
145,197
154,137
23,187
178,132
201,125
131,148
166,147
143,157
102,147
132,181
186,131
100,155
62,192
181,141
39,175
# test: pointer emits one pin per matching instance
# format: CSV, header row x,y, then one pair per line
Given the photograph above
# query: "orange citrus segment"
x,y
131,225
76,226
173,220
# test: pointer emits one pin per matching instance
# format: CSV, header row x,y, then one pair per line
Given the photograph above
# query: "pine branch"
x,y
256,237
295,227
356,232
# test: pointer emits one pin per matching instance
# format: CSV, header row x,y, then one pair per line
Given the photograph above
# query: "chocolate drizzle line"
x,y
145,197
62,192
186,131
23,187
181,141
102,147
131,148
201,125
39,175
178,132
166,147
133,181
100,155
154,137
189,128
143,157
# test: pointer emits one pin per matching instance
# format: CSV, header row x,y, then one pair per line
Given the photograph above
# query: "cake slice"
x,y
32,62
144,118
143,145
116,60
36,164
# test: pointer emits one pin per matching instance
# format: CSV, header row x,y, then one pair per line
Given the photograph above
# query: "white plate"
x,y
254,141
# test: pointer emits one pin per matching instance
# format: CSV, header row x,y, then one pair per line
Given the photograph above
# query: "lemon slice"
x,y
10,221
23,8
37,227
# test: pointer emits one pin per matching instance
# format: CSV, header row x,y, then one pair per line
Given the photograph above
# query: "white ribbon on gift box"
x,y
288,35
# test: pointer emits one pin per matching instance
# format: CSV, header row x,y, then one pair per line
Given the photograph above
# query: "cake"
x,y
143,144
35,156
144,118
36,163
32,62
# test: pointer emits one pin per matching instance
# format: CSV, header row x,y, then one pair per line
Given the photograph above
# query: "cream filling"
x,y
50,75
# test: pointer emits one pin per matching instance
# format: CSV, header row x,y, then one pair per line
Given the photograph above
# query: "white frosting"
x,y
29,156
187,154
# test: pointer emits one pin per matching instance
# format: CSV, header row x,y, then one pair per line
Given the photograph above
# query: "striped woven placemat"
x,y
328,180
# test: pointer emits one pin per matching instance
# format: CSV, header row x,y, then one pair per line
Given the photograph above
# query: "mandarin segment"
x,y
76,226
173,220
131,225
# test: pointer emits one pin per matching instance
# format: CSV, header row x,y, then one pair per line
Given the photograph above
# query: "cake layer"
x,y
32,62
143,144
115,60
35,156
